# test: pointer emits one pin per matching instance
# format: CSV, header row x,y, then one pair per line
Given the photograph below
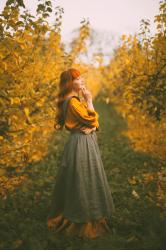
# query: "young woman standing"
x,y
82,202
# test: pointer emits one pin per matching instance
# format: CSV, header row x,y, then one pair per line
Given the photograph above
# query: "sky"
x,y
109,18
117,16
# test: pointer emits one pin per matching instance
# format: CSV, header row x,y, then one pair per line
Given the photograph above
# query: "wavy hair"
x,y
65,87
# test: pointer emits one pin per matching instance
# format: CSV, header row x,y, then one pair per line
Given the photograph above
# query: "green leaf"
x,y
48,3
9,2
49,9
21,3
40,7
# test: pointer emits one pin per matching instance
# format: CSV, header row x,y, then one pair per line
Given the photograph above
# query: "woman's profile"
x,y
82,203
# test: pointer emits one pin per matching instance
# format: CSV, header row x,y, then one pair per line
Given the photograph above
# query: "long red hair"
x,y
65,87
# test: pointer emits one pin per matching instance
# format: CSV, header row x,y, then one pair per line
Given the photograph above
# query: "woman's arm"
x,y
88,117
90,105
85,129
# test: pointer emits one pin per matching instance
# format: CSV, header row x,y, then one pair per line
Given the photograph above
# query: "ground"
x,y
137,223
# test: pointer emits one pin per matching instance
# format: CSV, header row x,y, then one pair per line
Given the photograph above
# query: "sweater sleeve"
x,y
85,115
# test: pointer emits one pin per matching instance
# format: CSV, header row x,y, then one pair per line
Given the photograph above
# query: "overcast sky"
x,y
118,16
108,18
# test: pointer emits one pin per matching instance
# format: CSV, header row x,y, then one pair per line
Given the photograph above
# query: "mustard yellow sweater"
x,y
79,115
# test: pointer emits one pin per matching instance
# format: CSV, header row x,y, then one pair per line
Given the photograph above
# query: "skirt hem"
x,y
91,229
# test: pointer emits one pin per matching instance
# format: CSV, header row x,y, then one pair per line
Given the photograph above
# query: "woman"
x,y
82,203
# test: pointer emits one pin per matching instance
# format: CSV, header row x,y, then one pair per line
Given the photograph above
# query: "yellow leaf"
x,y
132,180
17,243
135,194
2,172
15,100
26,111
40,102
123,37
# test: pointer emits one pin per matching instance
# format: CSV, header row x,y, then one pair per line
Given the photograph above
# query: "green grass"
x,y
137,222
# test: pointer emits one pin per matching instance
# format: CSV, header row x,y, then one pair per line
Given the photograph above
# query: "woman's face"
x,y
78,83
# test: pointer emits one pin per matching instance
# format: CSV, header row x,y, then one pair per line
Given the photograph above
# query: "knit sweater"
x,y
79,115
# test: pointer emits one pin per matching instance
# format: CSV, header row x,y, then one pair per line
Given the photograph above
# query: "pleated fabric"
x,y
82,203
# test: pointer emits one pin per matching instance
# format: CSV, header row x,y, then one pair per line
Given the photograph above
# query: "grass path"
x,y
137,222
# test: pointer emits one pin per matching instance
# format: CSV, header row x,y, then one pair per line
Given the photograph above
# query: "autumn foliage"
x,y
32,56
31,59
135,81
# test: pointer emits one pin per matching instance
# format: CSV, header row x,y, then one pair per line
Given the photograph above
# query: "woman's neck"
x,y
73,93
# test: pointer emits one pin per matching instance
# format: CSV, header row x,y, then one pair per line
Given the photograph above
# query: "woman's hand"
x,y
86,94
87,130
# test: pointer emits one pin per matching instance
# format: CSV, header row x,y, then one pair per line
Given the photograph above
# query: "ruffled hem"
x,y
91,229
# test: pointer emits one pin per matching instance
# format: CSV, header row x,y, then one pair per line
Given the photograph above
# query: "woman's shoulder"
x,y
71,100
77,104
75,100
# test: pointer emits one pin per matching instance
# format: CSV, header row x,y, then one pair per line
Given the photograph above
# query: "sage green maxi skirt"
x,y
82,195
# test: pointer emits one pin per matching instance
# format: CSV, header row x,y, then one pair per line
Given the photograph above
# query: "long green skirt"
x,y
82,192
